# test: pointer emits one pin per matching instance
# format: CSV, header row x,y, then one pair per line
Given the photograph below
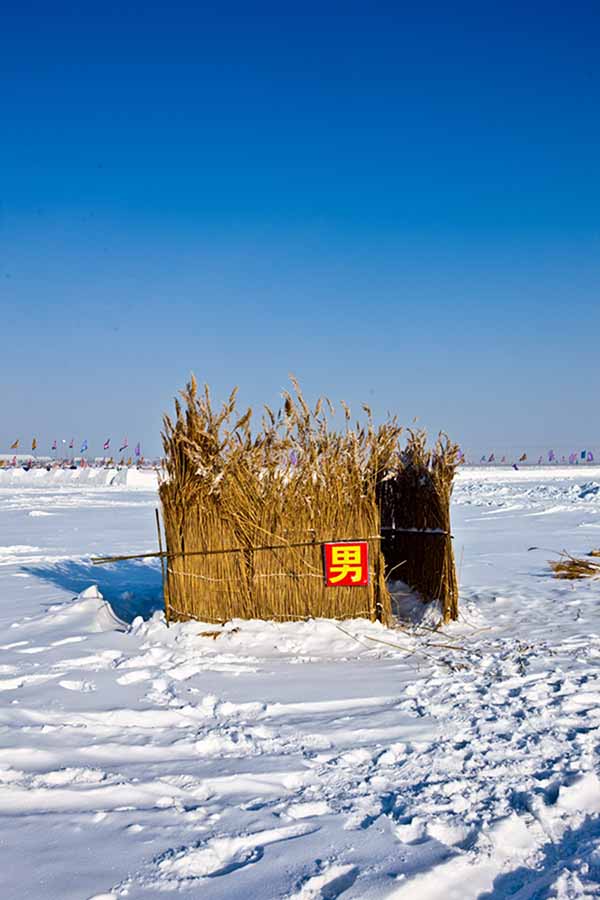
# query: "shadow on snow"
x,y
133,588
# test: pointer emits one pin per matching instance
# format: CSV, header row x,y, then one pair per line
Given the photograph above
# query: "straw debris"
x,y
572,567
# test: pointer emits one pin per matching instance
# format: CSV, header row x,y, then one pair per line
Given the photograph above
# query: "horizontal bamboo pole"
x,y
105,560
102,560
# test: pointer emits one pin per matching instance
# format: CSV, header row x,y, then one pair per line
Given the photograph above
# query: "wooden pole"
x,y
162,566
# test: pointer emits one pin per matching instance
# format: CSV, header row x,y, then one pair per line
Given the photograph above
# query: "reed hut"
x,y
247,511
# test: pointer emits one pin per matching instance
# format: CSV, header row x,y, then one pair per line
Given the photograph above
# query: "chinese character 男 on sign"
x,y
346,564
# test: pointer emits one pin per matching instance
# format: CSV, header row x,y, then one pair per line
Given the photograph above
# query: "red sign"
x,y
346,564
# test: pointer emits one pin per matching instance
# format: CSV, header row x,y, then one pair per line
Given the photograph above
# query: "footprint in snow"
x,y
307,809
135,677
412,831
68,640
86,687
223,855
329,884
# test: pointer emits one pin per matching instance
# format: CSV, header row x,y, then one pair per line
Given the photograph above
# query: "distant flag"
x,y
483,459
15,445
572,458
33,445
503,460
590,456
540,460
106,444
491,458
71,443
563,459
515,466
138,449
14,461
523,457
84,446
124,447
551,456
583,454
54,445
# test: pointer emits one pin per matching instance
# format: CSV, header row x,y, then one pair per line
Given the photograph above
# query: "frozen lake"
x,y
302,760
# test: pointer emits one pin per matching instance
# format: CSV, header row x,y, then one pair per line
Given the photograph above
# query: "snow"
x,y
297,760
134,479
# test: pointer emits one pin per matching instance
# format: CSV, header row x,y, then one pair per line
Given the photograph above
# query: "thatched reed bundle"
x,y
269,498
414,500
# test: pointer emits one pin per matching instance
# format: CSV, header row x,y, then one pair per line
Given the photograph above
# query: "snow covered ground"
x,y
306,760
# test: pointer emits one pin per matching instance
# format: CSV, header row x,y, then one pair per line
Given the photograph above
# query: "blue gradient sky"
x,y
398,206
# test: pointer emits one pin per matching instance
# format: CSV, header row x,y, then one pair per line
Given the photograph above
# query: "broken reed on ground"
x,y
572,567
297,482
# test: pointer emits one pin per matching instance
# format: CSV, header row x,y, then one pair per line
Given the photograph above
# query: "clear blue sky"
x,y
398,205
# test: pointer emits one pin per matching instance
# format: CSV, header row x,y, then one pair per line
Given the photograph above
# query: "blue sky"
x,y
399,206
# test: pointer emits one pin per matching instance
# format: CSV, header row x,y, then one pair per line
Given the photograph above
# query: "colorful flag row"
x,y
84,445
583,455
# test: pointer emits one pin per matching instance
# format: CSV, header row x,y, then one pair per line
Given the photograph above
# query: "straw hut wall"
x,y
414,500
